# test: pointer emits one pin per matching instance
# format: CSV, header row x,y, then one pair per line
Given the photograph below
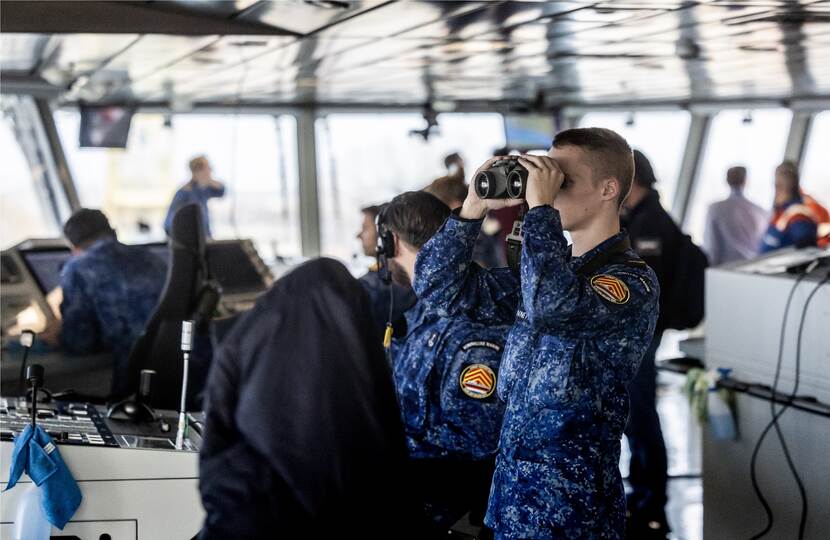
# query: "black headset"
x,y
385,248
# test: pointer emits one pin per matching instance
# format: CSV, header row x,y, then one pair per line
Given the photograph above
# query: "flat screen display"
x,y
229,262
233,268
528,131
46,265
105,126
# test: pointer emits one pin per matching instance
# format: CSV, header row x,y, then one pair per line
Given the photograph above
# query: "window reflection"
x,y
23,211
365,159
755,139
815,172
660,135
254,155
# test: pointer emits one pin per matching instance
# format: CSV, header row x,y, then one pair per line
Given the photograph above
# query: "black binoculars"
x,y
505,179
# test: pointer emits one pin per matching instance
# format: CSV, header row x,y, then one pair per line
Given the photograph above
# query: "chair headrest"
x,y
188,231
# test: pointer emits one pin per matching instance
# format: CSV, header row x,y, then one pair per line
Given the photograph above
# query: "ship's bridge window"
x,y
254,155
660,135
24,213
755,139
365,159
815,173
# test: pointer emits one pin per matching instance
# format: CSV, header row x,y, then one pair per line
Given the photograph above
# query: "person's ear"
x,y
610,189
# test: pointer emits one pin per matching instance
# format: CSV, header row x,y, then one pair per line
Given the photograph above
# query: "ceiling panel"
x,y
409,52
305,17
21,52
83,54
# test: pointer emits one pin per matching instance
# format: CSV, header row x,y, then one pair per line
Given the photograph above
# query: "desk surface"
x,y
87,375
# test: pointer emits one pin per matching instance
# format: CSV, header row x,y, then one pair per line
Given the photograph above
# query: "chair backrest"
x,y
159,346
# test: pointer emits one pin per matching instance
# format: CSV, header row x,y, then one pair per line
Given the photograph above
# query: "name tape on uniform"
x,y
486,344
611,288
477,381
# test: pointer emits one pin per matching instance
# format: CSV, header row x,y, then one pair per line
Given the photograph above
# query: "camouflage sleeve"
x,y
79,331
448,282
555,295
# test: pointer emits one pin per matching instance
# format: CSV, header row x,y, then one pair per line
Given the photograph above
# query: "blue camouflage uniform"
x,y
445,373
581,327
109,292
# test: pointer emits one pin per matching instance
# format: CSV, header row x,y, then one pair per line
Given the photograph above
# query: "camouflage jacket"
x,y
445,373
580,326
109,292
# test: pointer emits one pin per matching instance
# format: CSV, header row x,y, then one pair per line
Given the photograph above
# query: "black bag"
x,y
685,299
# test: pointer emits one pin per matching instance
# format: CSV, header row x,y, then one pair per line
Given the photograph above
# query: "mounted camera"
x,y
505,179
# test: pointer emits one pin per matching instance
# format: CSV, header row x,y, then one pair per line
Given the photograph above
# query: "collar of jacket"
x,y
794,200
417,316
601,255
647,204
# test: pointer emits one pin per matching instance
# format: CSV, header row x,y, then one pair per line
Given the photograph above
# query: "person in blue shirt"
x,y
374,281
582,317
793,222
201,188
109,292
445,373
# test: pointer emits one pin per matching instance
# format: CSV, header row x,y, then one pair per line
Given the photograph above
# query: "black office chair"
x,y
189,294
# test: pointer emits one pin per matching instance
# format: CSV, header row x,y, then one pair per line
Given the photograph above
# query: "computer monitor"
x,y
45,265
237,267
106,126
235,264
528,131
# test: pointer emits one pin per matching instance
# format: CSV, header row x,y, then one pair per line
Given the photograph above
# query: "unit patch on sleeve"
x,y
478,381
610,288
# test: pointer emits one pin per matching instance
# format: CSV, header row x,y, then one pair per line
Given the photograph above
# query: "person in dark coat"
x,y
656,239
303,433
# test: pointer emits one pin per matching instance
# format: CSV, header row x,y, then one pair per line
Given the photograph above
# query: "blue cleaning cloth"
x,y
37,455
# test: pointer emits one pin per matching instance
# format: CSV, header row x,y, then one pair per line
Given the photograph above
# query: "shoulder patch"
x,y
477,381
610,288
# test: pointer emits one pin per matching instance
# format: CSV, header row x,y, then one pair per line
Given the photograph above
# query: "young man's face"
x,y
579,199
368,235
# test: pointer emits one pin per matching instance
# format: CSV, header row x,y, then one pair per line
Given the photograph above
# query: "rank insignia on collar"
x,y
610,288
477,381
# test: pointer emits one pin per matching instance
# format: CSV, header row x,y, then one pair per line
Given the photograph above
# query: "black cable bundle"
x,y
776,414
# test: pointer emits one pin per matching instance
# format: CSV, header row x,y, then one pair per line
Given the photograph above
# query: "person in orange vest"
x,y
794,222
823,217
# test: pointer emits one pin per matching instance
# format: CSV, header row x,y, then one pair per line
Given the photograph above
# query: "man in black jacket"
x,y
656,239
